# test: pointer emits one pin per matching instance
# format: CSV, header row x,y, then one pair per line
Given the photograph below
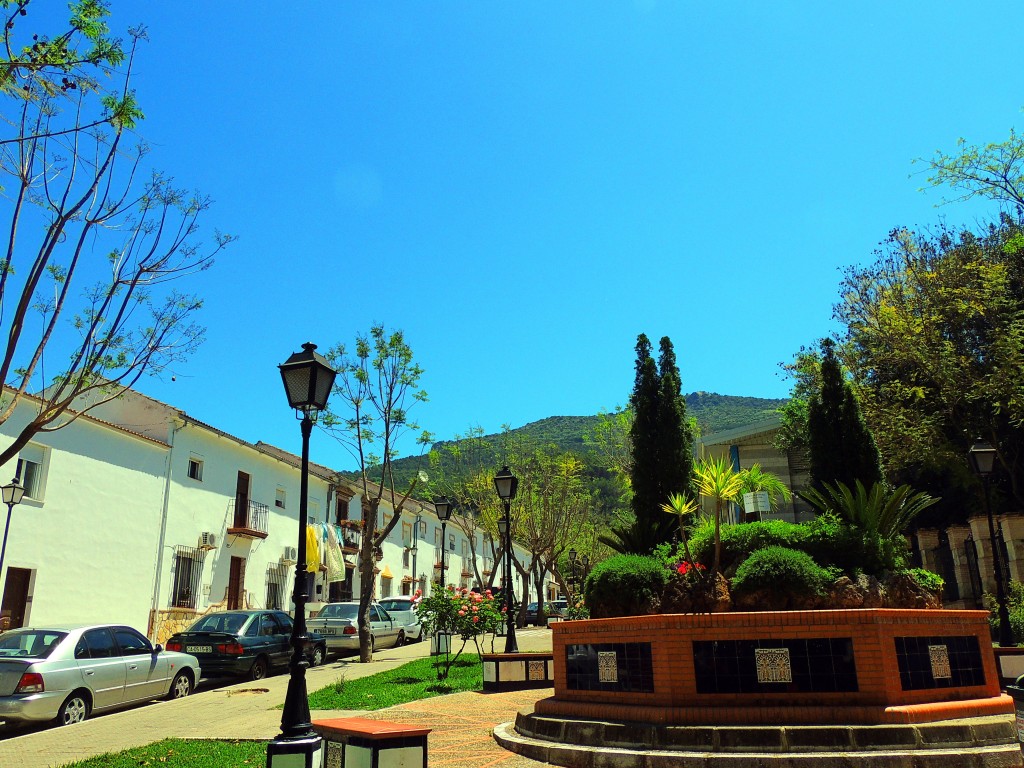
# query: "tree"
x,y
841,446
378,381
95,242
935,343
716,479
662,440
994,171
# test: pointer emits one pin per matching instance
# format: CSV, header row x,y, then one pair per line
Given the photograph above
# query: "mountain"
x,y
713,412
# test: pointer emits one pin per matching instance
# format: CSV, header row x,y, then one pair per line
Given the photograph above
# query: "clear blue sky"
x,y
524,187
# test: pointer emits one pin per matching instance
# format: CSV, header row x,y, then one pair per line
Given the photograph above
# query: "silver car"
x,y
403,610
337,622
65,673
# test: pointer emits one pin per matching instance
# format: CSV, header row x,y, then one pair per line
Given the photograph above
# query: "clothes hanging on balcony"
x,y
335,565
312,549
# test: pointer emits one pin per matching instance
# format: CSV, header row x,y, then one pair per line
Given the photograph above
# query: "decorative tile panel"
x,y
334,753
939,656
922,668
607,667
536,670
815,665
625,667
773,665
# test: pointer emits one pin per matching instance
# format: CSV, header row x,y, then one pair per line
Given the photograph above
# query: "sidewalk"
x,y
462,722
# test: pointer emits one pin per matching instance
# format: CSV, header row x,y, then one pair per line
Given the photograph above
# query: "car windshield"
x,y
220,622
338,611
30,643
532,607
396,605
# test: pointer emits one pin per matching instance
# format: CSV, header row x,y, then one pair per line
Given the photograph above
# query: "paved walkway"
x,y
461,723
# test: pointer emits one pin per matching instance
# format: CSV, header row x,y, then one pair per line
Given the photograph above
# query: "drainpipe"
x,y
163,534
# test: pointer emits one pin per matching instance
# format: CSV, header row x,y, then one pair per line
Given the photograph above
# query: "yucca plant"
x,y
755,479
682,507
880,511
716,479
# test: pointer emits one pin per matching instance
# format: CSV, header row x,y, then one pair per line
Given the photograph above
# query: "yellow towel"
x,y
312,550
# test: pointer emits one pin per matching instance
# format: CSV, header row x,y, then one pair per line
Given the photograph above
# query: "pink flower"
x,y
462,613
476,619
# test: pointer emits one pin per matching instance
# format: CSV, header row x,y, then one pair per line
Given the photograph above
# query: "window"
x,y
30,470
465,548
437,538
188,569
406,534
340,591
279,499
313,510
451,542
195,469
131,642
98,644
340,510
423,529
277,577
405,558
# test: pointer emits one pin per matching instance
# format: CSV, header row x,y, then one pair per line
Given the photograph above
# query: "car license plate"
x,y
328,631
198,649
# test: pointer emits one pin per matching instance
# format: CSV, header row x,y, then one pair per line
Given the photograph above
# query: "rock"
x,y
903,591
845,594
690,594
871,588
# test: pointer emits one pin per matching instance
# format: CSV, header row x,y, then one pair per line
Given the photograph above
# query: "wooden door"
x,y
15,600
236,584
242,500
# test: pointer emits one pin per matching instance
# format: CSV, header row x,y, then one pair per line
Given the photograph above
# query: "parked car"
x,y
252,644
65,673
403,610
339,624
553,609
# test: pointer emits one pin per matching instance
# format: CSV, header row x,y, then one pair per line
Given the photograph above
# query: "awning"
x,y
386,573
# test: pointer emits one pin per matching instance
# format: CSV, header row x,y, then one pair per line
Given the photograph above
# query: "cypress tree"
x,y
644,435
841,446
675,435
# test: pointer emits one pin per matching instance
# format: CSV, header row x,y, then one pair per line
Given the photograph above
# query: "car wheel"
x,y
317,657
181,686
258,670
400,640
74,709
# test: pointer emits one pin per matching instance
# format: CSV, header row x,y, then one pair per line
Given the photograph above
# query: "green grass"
x,y
409,682
182,753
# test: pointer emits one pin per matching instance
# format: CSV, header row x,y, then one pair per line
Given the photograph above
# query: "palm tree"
x,y
717,480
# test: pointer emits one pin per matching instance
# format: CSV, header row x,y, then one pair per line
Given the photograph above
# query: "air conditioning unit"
x,y
289,556
207,540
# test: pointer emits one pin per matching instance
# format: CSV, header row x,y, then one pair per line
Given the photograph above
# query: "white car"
x,y
65,673
403,611
338,623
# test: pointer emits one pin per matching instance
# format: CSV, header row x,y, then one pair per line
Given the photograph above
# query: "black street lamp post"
x,y
308,380
443,507
13,493
506,484
982,457
572,573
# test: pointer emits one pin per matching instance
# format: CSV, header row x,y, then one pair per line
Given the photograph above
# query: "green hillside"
x,y
713,412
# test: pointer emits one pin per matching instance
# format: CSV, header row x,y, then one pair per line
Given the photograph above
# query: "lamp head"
x,y
982,457
506,484
13,492
308,380
443,507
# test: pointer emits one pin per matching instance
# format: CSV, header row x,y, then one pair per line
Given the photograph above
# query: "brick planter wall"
x,y
868,666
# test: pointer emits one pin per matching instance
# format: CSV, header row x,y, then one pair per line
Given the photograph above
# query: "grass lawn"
x,y
409,682
181,753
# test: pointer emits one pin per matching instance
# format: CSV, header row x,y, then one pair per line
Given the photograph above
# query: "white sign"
x,y
756,502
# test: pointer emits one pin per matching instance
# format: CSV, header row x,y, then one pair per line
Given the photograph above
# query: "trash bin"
x,y
1016,691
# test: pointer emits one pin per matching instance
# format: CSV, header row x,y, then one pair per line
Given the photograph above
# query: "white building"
x,y
139,513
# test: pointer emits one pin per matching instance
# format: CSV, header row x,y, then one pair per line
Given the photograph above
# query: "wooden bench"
x,y
358,742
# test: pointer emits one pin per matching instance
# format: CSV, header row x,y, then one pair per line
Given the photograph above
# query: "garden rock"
x,y
903,591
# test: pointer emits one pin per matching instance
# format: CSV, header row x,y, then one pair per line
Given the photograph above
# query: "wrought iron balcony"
x,y
248,519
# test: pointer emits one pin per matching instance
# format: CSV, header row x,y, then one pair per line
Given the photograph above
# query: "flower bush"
x,y
459,612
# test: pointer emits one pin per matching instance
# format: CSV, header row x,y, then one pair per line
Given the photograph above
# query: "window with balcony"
x,y
406,534
451,542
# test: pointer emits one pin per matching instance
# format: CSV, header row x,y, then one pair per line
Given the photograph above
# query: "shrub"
x,y
833,542
927,579
741,540
625,585
782,571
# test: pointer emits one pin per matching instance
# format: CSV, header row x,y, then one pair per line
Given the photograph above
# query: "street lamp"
x,y
13,493
572,571
982,457
308,380
443,507
505,483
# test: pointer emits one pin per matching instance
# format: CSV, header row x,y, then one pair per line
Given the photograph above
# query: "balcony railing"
x,y
248,519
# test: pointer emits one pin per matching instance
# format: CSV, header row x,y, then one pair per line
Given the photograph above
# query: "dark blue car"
x,y
251,644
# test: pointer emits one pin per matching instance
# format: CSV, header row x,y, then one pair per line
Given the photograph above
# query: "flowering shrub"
x,y
576,609
460,612
687,568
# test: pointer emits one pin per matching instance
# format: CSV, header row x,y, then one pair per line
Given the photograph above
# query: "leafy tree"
x,y
994,171
378,381
95,241
841,447
676,432
935,342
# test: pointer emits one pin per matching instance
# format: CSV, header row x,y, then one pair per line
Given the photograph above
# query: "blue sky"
x,y
524,187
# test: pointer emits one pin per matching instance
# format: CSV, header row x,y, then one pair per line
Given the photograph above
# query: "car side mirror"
x,y
158,648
